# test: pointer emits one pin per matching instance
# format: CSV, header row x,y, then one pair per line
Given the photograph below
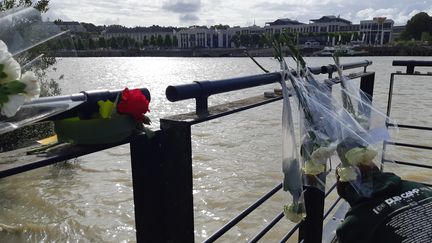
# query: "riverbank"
x,y
240,52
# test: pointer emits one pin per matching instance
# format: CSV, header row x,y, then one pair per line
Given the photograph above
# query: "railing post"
x,y
367,83
310,230
146,162
178,181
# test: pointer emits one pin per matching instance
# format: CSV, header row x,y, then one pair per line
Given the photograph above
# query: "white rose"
x,y
323,153
10,70
311,167
3,46
347,173
10,108
32,89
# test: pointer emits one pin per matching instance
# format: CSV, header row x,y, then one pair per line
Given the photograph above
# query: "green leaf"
x,y
3,98
14,87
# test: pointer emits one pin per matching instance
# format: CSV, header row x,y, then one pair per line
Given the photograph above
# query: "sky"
x,y
182,13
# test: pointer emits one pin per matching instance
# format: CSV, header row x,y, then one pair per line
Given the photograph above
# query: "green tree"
x,y
125,43
113,43
79,44
152,40
418,24
425,36
236,40
91,44
68,44
41,5
102,42
175,41
167,41
245,40
145,41
159,40
255,39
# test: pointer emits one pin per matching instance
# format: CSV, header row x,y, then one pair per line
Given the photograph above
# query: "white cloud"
x,y
231,12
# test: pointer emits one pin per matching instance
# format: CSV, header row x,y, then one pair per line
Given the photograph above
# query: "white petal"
x,y
3,46
11,67
11,107
32,89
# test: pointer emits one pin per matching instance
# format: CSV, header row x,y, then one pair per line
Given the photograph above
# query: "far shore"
x,y
240,52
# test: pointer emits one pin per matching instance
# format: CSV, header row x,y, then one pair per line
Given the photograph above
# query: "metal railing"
x,y
410,71
162,165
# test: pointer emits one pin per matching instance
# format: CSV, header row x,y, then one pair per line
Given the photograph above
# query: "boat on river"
x,y
344,50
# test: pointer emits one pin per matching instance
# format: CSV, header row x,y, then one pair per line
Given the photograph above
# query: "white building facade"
x,y
376,31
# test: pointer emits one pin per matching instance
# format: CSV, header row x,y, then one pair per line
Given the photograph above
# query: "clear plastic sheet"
x,y
22,32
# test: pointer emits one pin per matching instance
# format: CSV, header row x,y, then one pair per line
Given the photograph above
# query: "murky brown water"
x,y
236,159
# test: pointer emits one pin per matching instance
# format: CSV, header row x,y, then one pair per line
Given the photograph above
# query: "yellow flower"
x,y
357,156
323,153
311,167
295,212
347,173
105,108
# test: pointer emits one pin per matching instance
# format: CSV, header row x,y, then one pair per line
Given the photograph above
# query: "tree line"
x,y
115,43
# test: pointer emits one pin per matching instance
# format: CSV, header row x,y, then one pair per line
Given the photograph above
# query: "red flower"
x,y
134,103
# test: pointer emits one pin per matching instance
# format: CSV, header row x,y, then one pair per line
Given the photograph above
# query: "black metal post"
x,y
367,83
310,230
178,184
146,161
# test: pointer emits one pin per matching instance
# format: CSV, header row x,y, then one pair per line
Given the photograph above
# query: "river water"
x,y
235,159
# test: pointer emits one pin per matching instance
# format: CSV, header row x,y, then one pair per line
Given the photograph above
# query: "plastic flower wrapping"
x,y
112,121
23,39
349,127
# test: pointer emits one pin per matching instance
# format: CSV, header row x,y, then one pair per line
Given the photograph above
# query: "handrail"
x,y
207,88
411,64
201,90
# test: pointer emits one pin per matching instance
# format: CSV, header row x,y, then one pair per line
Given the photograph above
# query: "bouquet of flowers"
x,y
15,88
326,125
113,121
23,35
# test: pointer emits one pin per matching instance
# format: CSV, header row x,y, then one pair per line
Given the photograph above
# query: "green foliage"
x,y
125,43
79,44
418,24
175,41
145,41
91,44
159,40
41,5
102,42
113,43
167,41
152,40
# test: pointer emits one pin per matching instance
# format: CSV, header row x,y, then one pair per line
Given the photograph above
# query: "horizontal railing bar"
x,y
408,145
414,63
243,214
407,163
409,126
219,111
25,162
207,88
290,233
332,207
330,190
267,228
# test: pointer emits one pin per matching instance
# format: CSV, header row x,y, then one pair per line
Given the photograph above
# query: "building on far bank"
x,y
139,34
376,31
